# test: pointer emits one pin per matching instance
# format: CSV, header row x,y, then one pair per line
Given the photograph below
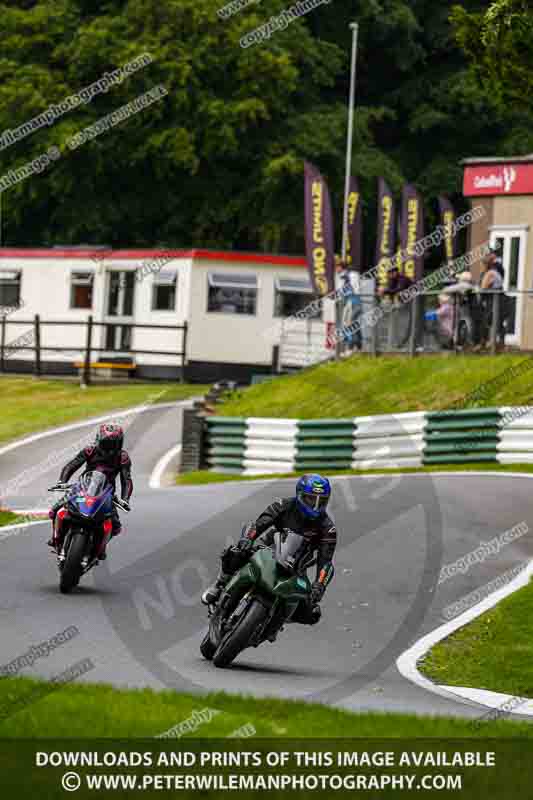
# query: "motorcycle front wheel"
x,y
232,644
71,569
207,648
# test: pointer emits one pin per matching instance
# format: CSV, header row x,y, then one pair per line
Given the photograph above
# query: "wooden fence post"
x,y
3,344
86,374
37,337
184,349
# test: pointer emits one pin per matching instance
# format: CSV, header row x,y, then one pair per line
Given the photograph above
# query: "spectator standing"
x,y
446,319
465,305
351,314
397,282
492,283
494,261
399,323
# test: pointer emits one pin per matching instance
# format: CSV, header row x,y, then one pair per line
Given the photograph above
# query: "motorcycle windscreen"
x,y
93,483
94,490
290,549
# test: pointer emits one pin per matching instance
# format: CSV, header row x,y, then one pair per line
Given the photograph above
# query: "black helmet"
x,y
110,438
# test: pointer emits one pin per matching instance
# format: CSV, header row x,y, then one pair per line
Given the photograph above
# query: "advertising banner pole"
x,y
351,106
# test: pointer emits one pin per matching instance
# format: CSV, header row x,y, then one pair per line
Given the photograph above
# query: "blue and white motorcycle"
x,y
85,523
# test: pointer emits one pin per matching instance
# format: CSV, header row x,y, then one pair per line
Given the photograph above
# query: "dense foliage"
x,y
218,160
499,43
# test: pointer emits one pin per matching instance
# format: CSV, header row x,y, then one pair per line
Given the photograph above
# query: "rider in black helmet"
x,y
107,456
306,514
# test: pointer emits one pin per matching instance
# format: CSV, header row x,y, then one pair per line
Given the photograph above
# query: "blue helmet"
x,y
312,495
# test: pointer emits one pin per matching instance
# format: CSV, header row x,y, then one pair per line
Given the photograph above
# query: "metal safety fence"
x,y
430,322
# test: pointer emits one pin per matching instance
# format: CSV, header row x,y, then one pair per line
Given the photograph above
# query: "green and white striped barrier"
x,y
261,446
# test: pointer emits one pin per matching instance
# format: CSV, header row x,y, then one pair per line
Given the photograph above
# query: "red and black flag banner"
x,y
386,232
447,214
412,233
354,255
319,234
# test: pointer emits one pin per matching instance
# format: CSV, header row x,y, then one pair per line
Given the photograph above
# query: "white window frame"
x,y
165,278
88,281
508,232
221,280
13,276
293,286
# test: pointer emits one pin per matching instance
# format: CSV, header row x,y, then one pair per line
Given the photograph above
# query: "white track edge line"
x,y
30,512
4,528
159,469
91,421
407,661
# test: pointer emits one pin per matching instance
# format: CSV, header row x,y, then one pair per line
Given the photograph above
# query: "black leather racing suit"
x,y
111,464
321,534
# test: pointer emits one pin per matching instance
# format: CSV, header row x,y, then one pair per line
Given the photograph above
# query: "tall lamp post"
x,y
354,27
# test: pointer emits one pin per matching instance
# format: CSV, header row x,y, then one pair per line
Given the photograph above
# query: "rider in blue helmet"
x,y
312,495
306,514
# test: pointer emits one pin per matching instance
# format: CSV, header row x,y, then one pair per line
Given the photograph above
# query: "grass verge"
x,y
73,710
493,652
30,405
363,385
202,477
8,518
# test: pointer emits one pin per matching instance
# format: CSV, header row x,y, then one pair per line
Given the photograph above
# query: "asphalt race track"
x,y
139,614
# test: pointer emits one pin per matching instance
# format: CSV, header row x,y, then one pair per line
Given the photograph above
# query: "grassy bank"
x,y
8,518
363,385
34,709
30,405
205,476
494,652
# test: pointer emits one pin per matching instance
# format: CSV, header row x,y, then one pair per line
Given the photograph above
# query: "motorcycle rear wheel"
x,y
238,639
71,570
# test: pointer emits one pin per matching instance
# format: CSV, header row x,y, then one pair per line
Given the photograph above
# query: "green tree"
x,y
219,160
499,43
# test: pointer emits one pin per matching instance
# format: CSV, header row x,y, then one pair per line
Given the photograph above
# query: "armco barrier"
x,y
260,446
462,436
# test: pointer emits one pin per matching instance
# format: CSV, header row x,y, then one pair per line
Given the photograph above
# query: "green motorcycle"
x,y
259,599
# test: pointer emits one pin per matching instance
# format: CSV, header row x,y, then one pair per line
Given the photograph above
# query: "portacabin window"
x,y
232,293
293,296
164,291
81,289
10,288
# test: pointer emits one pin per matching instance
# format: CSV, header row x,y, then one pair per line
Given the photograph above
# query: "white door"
x,y
512,243
119,310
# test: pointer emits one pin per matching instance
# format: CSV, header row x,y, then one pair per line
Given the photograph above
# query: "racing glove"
x,y
245,545
317,592
247,540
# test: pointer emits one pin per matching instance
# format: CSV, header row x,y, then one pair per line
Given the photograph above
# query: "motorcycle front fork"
x,y
272,635
86,563
56,532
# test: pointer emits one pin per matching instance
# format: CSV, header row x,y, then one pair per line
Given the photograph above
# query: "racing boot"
x,y
213,592
57,520
52,516
116,530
